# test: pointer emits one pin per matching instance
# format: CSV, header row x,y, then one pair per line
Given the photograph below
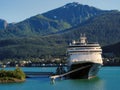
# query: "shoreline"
x,y
11,80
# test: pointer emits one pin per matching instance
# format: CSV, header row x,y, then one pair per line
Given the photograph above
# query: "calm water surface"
x,y
108,78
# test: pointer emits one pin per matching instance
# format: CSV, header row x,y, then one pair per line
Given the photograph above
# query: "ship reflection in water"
x,y
88,84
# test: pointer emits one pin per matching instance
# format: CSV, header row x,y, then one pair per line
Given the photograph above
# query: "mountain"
x,y
48,34
73,13
104,28
59,19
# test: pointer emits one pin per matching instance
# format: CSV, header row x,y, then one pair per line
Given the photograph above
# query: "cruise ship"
x,y
84,58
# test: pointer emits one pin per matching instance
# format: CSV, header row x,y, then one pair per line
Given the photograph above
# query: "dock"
x,y
38,74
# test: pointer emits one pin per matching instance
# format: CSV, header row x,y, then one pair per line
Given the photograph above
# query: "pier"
x,y
40,74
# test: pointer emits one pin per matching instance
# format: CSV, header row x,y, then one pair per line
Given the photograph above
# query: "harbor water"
x,y
108,78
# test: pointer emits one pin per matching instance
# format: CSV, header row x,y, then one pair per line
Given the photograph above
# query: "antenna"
x,y
84,35
81,35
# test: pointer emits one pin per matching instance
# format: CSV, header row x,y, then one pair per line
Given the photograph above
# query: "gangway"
x,y
62,75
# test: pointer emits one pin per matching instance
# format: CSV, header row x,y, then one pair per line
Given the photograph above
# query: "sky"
x,y
19,10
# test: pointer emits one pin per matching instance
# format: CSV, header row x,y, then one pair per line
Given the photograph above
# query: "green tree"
x,y
19,74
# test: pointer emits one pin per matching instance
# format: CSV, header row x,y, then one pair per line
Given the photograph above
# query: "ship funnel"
x,y
83,38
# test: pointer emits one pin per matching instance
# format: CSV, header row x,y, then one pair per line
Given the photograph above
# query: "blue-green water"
x,y
108,78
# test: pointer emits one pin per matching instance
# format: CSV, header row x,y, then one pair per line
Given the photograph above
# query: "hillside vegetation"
x,y
114,48
48,34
